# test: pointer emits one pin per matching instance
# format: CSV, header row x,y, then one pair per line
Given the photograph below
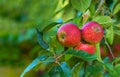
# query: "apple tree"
x,y
58,59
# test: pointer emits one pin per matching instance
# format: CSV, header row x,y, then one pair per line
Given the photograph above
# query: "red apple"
x,y
69,35
92,32
86,47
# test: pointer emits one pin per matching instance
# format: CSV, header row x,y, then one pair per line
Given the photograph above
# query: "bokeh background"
x,y
18,43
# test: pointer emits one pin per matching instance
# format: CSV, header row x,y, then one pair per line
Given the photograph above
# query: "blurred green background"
x,y
18,42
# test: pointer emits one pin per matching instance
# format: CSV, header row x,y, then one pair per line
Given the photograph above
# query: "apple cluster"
x,y
69,35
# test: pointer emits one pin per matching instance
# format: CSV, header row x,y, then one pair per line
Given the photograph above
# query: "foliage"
x,y
24,22
84,64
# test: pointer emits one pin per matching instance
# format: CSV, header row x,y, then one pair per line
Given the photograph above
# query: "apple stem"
x,y
108,46
98,52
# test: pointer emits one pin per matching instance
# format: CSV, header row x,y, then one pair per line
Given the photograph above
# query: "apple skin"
x,y
86,47
69,35
92,32
103,51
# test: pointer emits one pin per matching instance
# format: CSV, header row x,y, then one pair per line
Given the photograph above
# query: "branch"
x,y
109,48
100,6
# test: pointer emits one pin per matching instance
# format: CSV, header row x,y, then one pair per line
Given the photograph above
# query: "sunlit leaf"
x,y
67,57
69,13
81,5
105,21
98,52
109,34
116,9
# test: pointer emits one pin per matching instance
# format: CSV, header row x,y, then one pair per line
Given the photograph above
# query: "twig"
x,y
99,7
109,48
57,58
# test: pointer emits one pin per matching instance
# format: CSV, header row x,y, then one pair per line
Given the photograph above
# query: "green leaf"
x,y
41,14
92,8
117,68
48,27
110,68
105,21
56,71
41,42
68,13
94,70
76,70
117,32
98,52
116,60
55,46
116,9
66,69
81,5
112,6
33,64
81,54
109,35
67,57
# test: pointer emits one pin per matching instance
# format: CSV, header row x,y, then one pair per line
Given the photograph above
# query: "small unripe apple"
x,y
86,47
69,35
92,32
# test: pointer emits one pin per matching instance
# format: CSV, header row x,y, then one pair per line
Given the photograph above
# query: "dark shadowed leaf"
x,y
76,70
110,68
66,69
110,35
33,64
56,71
41,42
117,32
48,27
95,70
81,5
112,6
39,60
81,54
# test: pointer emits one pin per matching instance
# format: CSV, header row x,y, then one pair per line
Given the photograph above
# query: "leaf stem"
x,y
98,52
108,46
